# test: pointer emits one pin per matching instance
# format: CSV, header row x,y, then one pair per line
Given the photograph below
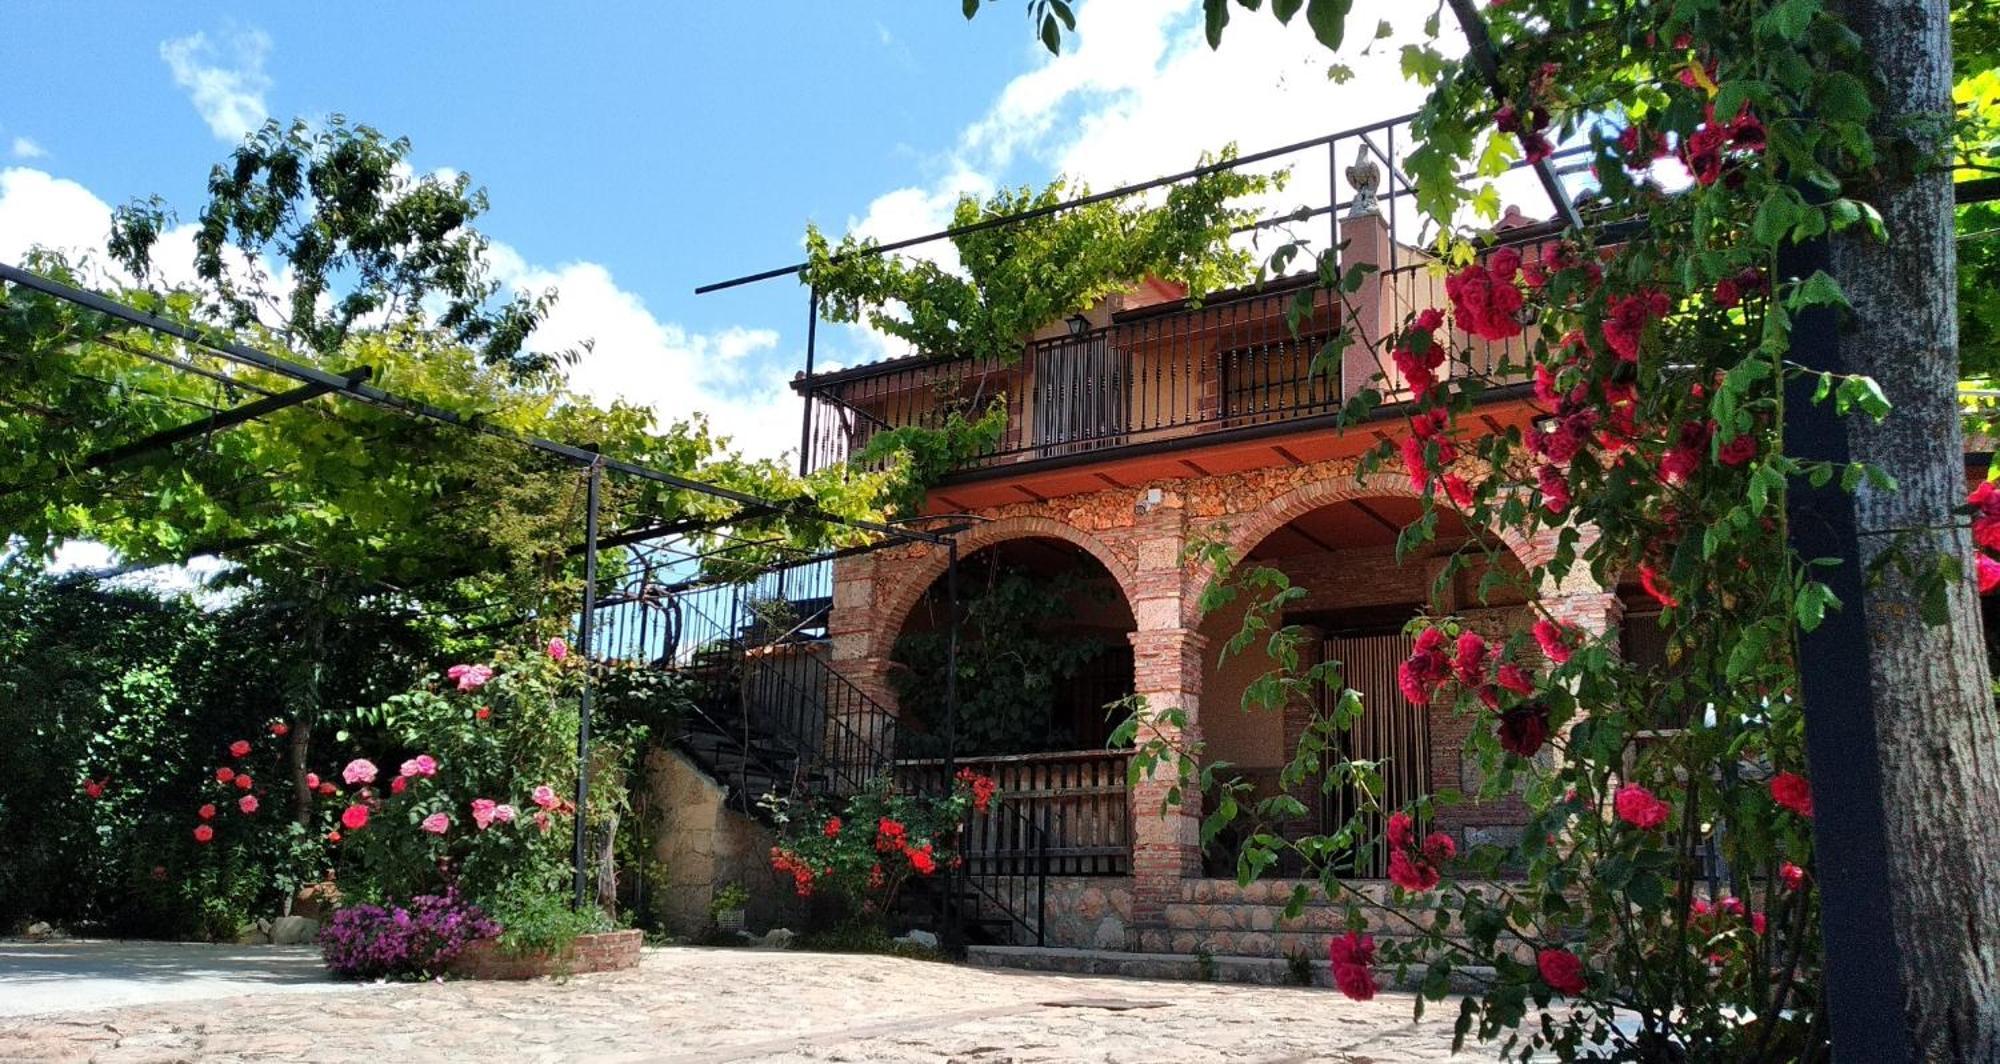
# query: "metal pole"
x,y
812,340
583,633
946,925
1864,995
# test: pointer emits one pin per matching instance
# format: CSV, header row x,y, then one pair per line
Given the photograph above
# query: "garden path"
x,y
74,974
711,1006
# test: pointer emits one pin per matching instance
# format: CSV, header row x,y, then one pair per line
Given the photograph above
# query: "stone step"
x,y
1190,967
1276,945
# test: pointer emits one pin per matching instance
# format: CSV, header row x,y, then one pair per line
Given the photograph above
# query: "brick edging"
x,y
606,951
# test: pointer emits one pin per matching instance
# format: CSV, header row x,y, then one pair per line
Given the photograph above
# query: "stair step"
x,y
1187,967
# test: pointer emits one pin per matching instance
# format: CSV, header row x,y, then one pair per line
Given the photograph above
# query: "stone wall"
x,y
1089,912
701,845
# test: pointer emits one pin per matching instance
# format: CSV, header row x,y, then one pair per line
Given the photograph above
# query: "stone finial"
x,y
1363,176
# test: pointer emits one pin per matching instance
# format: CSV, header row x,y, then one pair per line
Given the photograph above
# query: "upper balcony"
x,y
1151,377
1150,385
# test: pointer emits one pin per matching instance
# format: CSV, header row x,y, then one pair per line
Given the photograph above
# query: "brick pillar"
x,y
1595,612
1166,840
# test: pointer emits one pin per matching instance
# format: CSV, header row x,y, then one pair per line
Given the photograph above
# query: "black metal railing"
x,y
1150,377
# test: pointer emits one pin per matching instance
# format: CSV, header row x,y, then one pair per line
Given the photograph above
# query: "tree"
x,y
1667,362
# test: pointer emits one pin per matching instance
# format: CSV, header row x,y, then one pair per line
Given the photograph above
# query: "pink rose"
x,y
503,813
421,765
436,823
247,803
482,812
359,770
545,796
470,677
542,821
312,781
558,650
354,817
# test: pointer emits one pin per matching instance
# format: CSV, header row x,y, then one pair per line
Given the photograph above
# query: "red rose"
x,y
326,789
1524,729
399,785
93,789
333,836
1553,640
1402,830
1738,451
312,781
1352,955
243,783
239,748
1470,663
1791,875
1562,970
354,817
203,833
1789,789
224,774
833,828
281,729
206,812
247,803
1639,807
482,712
1516,679
1411,873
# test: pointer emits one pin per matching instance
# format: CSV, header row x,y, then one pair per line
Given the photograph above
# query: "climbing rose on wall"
x,y
1789,789
1562,970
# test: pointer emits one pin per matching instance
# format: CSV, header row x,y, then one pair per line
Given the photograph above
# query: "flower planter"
x,y
608,951
729,921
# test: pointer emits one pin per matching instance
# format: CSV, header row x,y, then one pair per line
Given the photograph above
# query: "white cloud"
x,y
639,358
24,148
41,210
226,82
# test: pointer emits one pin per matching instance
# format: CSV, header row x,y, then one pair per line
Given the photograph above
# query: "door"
x,y
1391,731
1079,395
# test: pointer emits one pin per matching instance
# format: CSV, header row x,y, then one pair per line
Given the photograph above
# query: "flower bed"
x,y
607,951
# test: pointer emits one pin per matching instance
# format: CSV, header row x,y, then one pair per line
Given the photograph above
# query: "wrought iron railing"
x,y
1150,377
1082,794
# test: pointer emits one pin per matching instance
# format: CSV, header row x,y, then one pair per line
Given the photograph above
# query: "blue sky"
x,y
646,148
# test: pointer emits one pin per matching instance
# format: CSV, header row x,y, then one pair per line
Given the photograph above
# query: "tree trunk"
x,y
1936,727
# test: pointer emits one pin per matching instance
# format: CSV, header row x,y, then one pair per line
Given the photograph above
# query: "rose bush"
x,y
862,851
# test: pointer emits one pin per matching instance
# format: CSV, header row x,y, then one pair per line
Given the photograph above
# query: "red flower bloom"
x,y
327,789
1457,490
312,781
482,713
921,859
1989,573
247,803
1553,640
1554,488
333,836
1439,847
1516,679
1985,500
1402,830
203,833
281,729
833,828
244,783
1562,970
1627,319
399,784
224,774
1791,875
1727,294
1484,299
1352,955
1738,451
1524,729
890,835
1470,664
354,817
1411,873
239,748
93,789
206,812
1789,789
1656,587
1639,807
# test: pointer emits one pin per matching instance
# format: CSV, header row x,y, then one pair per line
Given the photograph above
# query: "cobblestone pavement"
x,y
698,1006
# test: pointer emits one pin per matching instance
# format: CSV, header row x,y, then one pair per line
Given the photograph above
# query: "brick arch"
x,y
1253,528
923,570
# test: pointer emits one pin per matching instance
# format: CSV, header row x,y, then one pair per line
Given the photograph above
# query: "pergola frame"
x,y
315,382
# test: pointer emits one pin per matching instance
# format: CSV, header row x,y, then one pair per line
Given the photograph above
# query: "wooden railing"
x,y
1080,796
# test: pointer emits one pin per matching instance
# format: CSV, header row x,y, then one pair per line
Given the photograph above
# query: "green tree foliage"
x,y
1019,650
312,231
1020,277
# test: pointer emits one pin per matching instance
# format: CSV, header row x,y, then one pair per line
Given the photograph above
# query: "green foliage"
x,y
1021,277
731,897
536,920
860,855
1019,650
355,236
923,455
141,694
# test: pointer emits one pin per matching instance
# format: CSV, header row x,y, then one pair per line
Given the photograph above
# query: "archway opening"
x,y
1043,650
1358,597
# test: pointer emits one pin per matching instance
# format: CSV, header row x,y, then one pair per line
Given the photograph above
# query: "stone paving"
x,y
699,1006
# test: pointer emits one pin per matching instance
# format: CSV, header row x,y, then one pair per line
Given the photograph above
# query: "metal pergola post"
x,y
581,857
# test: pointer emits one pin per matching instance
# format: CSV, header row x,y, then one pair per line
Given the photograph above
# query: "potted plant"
x,y
726,908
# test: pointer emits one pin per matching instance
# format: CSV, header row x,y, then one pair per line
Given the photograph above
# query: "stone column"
x,y
1166,839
